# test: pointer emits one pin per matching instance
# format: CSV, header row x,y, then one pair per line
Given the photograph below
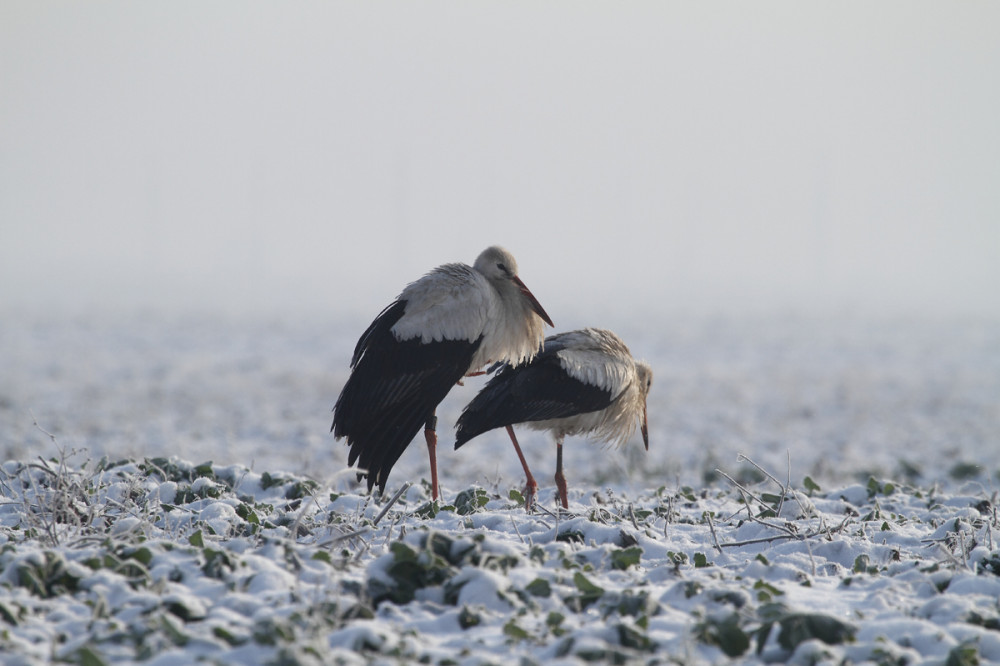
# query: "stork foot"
x,y
563,491
530,492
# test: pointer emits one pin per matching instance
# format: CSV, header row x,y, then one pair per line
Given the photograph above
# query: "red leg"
x,y
431,436
560,478
530,487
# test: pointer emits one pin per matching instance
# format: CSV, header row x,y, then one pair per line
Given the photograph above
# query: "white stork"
x,y
448,324
582,382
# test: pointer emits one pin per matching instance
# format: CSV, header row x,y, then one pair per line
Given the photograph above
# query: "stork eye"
x,y
503,269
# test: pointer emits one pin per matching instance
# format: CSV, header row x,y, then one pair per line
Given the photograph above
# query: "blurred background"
x,y
791,209
313,157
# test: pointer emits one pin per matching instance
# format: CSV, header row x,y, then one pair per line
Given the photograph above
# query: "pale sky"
x,y
315,157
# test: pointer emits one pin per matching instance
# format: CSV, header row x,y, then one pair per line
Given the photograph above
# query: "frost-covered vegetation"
x,y
169,561
864,528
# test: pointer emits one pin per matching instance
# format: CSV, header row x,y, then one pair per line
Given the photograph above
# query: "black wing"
x,y
392,391
537,391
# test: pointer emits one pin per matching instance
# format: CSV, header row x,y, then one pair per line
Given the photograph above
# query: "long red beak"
x,y
645,427
535,305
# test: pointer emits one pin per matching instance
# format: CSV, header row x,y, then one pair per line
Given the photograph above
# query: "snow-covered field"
x,y
180,497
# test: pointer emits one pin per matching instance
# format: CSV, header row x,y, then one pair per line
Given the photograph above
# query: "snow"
x,y
119,540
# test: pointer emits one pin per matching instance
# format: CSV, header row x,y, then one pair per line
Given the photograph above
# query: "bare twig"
x,y
541,507
516,531
392,500
45,432
743,458
44,467
776,537
745,492
788,480
343,537
809,550
298,519
711,527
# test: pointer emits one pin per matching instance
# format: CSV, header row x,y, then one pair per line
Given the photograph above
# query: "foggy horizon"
x,y
267,159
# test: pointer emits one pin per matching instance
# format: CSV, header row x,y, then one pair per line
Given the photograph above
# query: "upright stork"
x,y
450,323
582,382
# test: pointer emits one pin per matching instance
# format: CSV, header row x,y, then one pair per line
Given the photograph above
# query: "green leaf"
x,y
570,536
692,588
725,633
539,588
516,496
623,558
631,637
766,591
184,612
402,552
863,564
811,485
584,585
217,563
799,627
227,636
143,555
244,511
873,487
554,622
267,481
88,656
637,605
701,561
468,618
964,654
204,469
7,616
197,540
513,631
173,632
470,500
965,470
427,510
589,593
301,489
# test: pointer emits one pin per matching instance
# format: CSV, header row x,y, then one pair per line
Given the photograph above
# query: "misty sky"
x,y
315,157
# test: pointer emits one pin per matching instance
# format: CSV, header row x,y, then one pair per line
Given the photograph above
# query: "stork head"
x,y
499,265
644,374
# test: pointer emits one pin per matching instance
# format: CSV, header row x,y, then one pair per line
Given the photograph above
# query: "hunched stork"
x,y
448,324
582,382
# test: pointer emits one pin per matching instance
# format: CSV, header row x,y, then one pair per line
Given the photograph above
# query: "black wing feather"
x,y
537,391
393,390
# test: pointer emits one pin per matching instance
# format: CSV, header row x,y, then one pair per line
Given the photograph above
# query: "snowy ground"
x,y
130,546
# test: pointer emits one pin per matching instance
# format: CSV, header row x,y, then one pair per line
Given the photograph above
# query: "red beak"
x,y
535,305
